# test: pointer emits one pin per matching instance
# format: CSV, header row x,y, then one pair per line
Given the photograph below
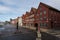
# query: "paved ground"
x,y
50,34
47,36
9,33
19,36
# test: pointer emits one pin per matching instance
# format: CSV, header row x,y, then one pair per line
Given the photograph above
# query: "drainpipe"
x,y
38,34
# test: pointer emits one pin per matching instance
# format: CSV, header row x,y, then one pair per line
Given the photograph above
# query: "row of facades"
x,y
44,16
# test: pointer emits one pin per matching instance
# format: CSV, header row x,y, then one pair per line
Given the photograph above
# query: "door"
x,y
51,25
36,25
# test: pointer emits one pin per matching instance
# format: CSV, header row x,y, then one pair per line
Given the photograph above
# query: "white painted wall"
x,y
20,21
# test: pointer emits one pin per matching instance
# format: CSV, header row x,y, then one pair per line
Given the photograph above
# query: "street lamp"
x,y
17,23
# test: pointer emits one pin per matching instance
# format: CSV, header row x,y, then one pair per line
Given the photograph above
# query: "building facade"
x,y
44,16
48,17
19,21
13,21
29,18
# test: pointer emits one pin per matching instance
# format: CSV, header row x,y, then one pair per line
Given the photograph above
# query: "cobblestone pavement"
x,y
47,36
23,34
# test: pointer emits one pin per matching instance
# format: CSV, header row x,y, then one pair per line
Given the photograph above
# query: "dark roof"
x,y
33,9
27,12
50,7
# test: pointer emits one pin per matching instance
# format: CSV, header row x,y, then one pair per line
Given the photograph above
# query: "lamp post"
x,y
17,23
17,26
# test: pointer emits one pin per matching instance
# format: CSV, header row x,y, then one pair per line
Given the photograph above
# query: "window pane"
x,y
45,24
40,13
44,12
41,18
45,18
41,24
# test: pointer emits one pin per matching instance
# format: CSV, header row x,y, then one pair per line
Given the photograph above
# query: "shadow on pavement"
x,y
46,36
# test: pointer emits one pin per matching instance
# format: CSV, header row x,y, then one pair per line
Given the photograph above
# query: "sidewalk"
x,y
13,32
52,32
39,36
7,33
31,28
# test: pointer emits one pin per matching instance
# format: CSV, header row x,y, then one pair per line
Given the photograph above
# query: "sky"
x,y
14,8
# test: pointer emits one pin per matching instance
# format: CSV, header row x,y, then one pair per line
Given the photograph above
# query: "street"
x,y
9,33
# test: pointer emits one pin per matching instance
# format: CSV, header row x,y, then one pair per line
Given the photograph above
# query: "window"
x,y
45,18
41,18
41,24
45,24
44,12
40,13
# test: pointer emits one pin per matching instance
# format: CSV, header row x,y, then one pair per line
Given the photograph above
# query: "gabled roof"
x,y
33,9
27,12
50,7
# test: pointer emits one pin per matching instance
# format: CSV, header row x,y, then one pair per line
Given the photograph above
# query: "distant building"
x,y
13,21
2,23
19,21
7,22
28,19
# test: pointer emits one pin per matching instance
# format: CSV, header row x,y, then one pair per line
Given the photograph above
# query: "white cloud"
x,y
4,8
23,6
10,2
56,1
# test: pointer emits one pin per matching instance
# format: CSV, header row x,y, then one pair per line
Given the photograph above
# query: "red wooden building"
x,y
28,18
48,17
44,16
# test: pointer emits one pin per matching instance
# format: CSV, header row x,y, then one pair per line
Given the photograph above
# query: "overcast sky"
x,y
14,8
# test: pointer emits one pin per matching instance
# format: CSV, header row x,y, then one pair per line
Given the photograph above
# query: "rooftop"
x,y
50,7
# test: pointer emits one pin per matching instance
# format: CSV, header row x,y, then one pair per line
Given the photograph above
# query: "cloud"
x,y
4,8
15,8
10,2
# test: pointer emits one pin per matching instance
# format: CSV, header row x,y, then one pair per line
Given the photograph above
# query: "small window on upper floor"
x,y
45,18
44,12
40,13
41,18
